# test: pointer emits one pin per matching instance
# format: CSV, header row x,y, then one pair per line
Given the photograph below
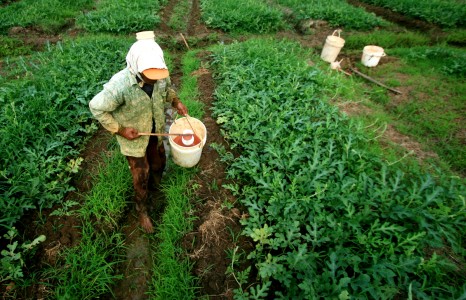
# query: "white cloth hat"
x,y
145,54
145,35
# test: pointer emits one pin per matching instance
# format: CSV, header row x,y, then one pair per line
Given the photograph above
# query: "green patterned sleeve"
x,y
102,106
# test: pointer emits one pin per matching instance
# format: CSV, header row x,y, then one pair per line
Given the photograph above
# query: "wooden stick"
x,y
375,81
184,40
164,134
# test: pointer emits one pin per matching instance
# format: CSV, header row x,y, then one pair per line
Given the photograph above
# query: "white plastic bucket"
x,y
371,55
332,47
187,156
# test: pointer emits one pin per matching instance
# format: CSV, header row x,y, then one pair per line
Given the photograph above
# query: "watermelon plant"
x,y
441,12
242,16
47,15
117,16
329,219
337,12
45,119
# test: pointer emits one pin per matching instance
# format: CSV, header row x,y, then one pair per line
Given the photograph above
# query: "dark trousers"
x,y
147,172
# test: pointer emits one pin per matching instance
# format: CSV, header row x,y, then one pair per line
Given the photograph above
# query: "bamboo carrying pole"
x,y
164,134
375,81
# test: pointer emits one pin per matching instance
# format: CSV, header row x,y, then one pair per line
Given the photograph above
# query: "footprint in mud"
x,y
137,267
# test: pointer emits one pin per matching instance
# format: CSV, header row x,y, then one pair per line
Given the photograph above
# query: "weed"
x,y
65,210
87,270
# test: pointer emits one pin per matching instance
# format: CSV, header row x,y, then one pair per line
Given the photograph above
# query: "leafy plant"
x,y
14,256
65,210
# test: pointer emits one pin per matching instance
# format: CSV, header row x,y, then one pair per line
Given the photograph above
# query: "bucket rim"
x,y
373,50
335,39
202,138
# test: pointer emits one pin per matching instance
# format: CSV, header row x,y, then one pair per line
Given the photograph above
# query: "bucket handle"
x,y
338,30
187,119
383,54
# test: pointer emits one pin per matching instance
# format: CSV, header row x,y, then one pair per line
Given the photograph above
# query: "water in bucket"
x,y
187,155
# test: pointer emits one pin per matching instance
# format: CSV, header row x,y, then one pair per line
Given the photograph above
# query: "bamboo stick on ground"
x,y
375,81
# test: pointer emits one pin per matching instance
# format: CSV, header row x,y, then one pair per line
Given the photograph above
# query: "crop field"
x,y
315,182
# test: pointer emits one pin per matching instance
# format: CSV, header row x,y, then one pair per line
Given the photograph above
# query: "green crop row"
x,y
121,16
47,15
241,16
45,118
441,12
330,220
337,12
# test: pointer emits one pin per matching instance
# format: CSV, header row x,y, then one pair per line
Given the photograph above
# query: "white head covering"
x,y
145,54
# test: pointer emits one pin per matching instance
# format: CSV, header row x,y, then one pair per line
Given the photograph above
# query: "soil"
x,y
217,229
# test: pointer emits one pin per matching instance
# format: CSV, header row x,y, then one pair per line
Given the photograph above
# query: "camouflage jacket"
x,y
122,103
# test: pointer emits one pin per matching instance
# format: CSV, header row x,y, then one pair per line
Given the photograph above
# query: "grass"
x,y
88,270
106,202
432,111
172,277
189,93
385,39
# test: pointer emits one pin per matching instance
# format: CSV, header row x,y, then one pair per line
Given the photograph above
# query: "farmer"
x,y
133,102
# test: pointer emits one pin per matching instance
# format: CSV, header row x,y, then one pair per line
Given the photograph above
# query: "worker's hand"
x,y
128,133
181,108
